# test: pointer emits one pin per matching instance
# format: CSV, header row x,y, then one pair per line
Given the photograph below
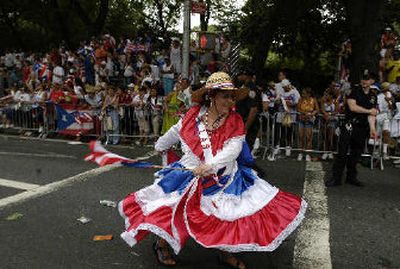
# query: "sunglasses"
x,y
228,96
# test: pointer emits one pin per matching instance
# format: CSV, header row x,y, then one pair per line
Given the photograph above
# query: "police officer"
x,y
360,112
249,107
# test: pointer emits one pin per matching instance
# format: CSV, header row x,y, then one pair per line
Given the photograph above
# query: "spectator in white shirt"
x,y
58,74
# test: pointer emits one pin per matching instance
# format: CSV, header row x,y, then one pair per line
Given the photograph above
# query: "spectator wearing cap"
x,y
286,116
388,39
282,75
360,117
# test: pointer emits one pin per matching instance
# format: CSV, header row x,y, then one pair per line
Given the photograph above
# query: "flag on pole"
x,y
103,157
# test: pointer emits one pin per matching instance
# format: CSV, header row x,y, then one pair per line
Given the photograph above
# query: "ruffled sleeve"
x,y
170,138
228,154
228,142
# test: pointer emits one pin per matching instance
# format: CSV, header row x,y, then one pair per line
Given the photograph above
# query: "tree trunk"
x,y
365,21
204,18
62,23
93,28
98,25
260,54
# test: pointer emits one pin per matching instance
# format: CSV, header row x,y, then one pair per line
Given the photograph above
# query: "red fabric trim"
x,y
232,127
160,217
260,228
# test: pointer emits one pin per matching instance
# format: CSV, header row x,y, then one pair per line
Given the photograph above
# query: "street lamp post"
x,y
186,39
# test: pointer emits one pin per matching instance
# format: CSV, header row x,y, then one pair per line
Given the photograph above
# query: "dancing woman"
x,y
213,195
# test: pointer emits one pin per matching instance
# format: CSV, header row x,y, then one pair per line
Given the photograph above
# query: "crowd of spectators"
x,y
115,79
138,90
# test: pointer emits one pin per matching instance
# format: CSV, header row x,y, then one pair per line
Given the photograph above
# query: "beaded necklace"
x,y
215,124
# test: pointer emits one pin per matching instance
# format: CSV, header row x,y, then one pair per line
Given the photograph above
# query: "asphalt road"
x,y
364,223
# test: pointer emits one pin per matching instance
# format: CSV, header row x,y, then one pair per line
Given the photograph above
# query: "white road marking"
x,y
54,186
17,184
44,155
312,249
51,187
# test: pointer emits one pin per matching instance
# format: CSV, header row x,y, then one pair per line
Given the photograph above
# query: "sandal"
x,y
236,264
163,254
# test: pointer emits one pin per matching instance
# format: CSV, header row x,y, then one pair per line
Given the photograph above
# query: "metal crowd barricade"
x,y
274,136
128,126
23,117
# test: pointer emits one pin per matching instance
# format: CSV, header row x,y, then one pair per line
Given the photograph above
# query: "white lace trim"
x,y
129,236
229,207
250,247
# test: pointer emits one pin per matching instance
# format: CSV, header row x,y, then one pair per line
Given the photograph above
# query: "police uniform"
x,y
353,133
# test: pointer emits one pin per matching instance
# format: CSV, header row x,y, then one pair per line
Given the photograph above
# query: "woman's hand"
x,y
202,170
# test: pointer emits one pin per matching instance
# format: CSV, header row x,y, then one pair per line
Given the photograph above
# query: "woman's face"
x,y
224,101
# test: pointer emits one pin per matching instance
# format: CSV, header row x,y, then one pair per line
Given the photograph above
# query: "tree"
x,y
365,23
96,25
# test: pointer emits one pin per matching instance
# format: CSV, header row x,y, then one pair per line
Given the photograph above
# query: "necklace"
x,y
215,124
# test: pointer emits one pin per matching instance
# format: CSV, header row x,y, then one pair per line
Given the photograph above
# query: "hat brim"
x,y
199,95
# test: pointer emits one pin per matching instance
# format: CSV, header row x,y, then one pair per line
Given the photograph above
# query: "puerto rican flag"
x,y
98,154
73,121
134,47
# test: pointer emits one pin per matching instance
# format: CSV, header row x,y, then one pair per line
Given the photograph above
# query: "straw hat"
x,y
385,85
91,89
219,81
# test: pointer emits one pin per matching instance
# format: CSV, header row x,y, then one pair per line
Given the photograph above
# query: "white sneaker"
x,y
386,156
271,157
330,156
276,150
300,157
40,129
256,144
288,151
308,158
324,156
396,161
